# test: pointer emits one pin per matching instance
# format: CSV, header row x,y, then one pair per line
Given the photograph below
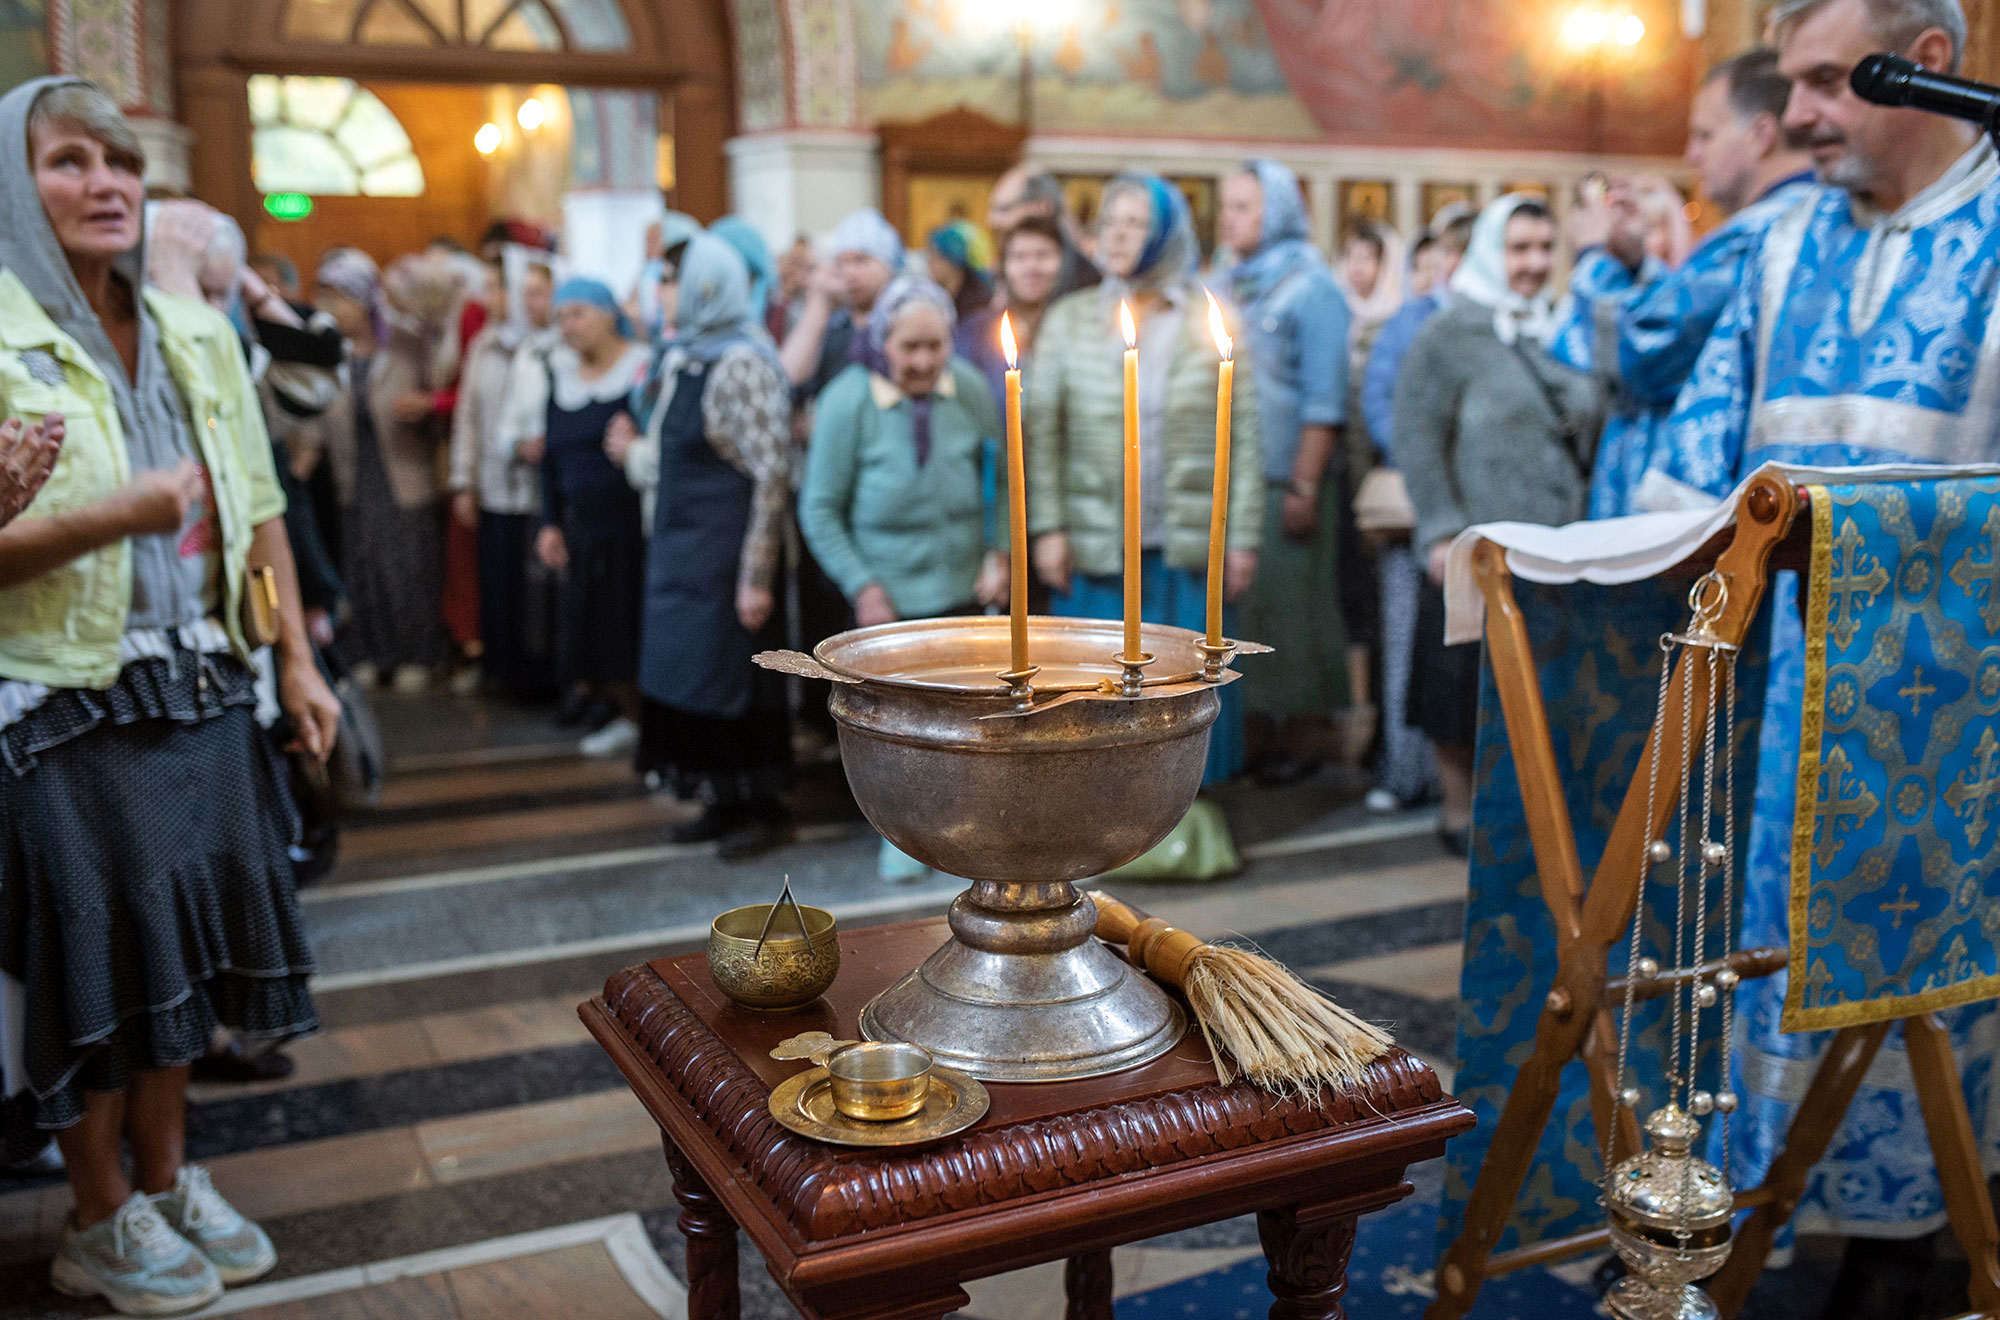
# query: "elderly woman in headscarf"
x,y
145,890
893,502
1293,311
716,728
1073,417
1491,429
591,533
382,441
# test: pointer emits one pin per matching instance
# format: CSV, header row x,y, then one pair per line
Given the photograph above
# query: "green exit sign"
x,y
288,206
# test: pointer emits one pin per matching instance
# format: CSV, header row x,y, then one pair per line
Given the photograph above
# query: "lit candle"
x,y
1017,498
1218,518
1132,566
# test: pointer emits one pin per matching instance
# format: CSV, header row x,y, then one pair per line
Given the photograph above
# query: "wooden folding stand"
x,y
1576,1018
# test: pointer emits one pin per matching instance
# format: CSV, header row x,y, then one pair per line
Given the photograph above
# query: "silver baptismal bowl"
x,y
1023,800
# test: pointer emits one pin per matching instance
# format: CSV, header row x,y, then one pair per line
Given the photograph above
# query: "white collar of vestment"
x,y
887,394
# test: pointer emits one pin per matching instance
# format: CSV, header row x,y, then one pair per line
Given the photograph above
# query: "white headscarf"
x,y
1482,277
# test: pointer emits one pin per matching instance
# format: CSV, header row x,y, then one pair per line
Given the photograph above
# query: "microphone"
x,y
1894,81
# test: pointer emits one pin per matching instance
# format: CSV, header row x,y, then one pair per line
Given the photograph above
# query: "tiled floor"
x,y
454,1145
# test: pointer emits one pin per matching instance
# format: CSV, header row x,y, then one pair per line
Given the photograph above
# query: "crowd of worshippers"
x,y
213,487
507,478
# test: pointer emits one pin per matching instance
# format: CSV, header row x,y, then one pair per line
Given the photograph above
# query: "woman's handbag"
x,y
1383,503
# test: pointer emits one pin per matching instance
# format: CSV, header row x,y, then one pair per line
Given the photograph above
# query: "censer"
x,y
1669,1209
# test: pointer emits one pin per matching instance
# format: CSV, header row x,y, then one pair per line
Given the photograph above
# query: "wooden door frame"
x,y
958,141
219,44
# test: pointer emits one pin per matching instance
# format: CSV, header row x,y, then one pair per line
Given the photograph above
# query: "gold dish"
x,y
805,1105
790,970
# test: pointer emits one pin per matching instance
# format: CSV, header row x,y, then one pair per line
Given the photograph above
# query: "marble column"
x,y
802,181
125,47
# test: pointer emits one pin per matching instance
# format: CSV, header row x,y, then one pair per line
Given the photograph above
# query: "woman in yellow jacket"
x,y
145,891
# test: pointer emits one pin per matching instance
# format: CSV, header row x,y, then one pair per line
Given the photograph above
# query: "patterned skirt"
x,y
145,891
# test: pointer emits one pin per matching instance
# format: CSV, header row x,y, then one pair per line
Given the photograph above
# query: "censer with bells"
x,y
1669,1209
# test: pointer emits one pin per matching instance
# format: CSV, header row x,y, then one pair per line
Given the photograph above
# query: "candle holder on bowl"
x,y
1023,800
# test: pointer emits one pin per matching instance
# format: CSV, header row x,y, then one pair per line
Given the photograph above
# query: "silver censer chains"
x,y
1669,1209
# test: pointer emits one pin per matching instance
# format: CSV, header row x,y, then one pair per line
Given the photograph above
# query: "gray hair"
x,y
1896,23
1045,189
90,109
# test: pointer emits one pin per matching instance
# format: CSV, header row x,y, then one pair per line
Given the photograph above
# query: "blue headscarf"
x,y
756,254
714,313
1283,246
593,293
906,291
1171,252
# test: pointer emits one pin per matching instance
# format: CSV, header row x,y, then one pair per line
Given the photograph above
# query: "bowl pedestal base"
x,y
1027,993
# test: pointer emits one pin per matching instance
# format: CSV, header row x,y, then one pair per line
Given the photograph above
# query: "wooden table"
x,y
1053,1172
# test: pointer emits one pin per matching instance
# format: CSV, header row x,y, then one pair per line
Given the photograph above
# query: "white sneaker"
x,y
411,680
465,683
367,674
616,739
239,1250
135,1262
1382,802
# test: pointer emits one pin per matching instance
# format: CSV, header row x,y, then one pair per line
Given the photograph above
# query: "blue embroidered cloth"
x,y
1895,897
1597,658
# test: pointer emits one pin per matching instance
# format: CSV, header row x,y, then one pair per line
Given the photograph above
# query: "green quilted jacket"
x,y
1073,420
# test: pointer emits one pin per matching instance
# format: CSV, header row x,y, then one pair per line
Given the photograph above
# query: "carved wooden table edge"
x,y
715,1112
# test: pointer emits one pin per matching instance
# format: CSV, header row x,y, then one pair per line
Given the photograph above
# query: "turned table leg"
x,y
1087,1284
1308,1263
711,1243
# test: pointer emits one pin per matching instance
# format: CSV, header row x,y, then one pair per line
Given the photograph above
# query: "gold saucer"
x,y
805,1105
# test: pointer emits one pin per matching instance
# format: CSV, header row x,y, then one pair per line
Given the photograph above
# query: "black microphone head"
x,y
1883,79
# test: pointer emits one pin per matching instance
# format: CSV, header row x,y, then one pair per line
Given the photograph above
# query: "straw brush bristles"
x,y
1279,1032
1283,1034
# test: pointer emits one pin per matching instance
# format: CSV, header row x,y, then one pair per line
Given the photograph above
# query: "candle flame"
x,y
1223,343
1007,345
1125,322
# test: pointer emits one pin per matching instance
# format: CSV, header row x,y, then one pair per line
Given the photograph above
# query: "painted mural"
x,y
1182,67
24,44
1473,73
1483,73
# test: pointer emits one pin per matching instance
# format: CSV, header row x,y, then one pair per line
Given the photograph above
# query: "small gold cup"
x,y
878,1082
789,972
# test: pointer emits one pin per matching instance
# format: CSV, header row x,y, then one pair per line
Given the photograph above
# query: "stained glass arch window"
x,y
328,137
511,25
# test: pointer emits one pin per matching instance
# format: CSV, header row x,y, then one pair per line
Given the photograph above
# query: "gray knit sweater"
x,y
1479,440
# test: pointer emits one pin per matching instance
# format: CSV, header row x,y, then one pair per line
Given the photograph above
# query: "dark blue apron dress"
x,y
715,726
588,497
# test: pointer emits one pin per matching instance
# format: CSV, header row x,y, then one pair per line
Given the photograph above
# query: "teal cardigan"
x,y
871,515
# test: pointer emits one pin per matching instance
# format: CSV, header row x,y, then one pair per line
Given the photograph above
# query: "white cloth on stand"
x,y
1632,549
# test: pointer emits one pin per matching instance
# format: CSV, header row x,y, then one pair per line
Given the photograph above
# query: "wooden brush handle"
x,y
1162,949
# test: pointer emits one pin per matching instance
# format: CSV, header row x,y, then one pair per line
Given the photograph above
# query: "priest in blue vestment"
x,y
1864,331
1659,319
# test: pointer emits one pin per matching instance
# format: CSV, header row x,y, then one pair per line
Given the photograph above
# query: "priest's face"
x,y
1854,145
1530,254
1725,147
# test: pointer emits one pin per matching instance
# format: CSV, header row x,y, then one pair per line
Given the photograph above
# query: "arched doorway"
x,y
679,50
